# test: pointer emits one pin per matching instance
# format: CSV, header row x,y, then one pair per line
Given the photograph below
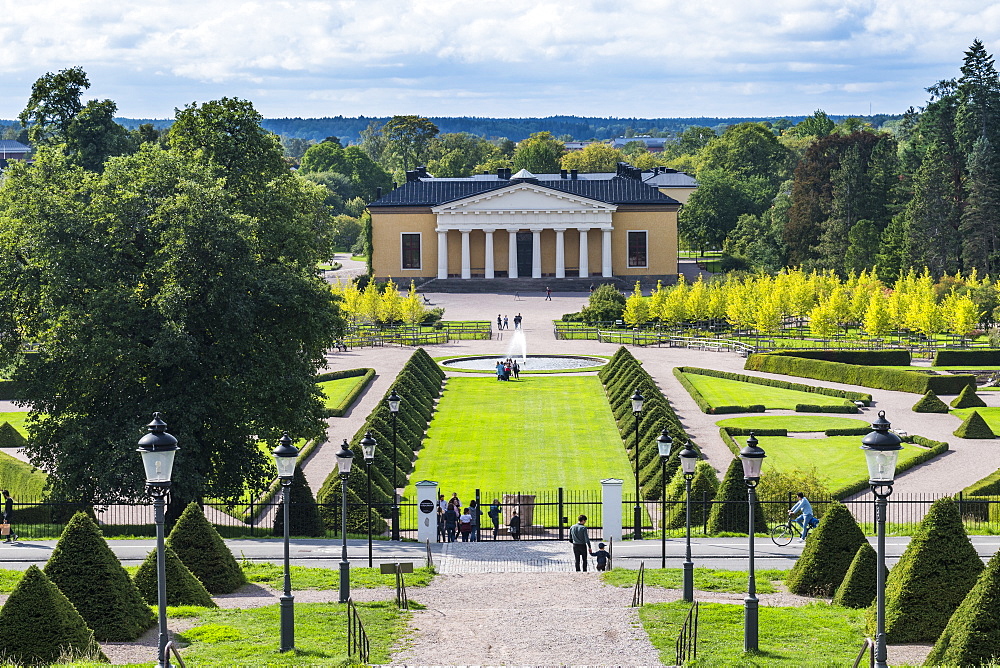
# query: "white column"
x,y
606,254
427,497
466,256
584,253
560,254
489,254
611,508
512,254
536,253
442,253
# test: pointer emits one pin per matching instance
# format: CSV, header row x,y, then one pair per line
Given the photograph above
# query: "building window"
x,y
637,249
411,251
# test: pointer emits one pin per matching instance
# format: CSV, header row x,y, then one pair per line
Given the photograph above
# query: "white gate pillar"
x,y
427,524
611,508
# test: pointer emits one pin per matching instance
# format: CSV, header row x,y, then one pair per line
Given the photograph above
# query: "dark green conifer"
x,y
734,516
183,588
972,636
90,575
974,426
303,511
202,550
827,555
330,501
930,403
858,588
968,399
11,437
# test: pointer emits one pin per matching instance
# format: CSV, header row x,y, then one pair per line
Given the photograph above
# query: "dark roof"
x,y
11,146
670,178
432,192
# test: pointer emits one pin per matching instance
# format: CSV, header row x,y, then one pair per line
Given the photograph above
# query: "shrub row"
x,y
853,374
861,357
979,357
340,409
418,385
11,390
848,431
342,373
622,376
935,448
783,384
816,408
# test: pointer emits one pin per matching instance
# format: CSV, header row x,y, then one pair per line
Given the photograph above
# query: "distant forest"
x,y
515,129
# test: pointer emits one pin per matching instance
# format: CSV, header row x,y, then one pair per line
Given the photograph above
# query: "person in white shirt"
x,y
806,518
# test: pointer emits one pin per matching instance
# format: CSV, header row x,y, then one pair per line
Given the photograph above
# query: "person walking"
x,y
514,526
498,322
806,518
602,557
441,534
591,288
477,519
548,294
505,323
8,516
450,522
494,513
580,537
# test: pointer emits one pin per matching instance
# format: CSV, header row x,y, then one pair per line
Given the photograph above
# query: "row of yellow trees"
x,y
768,303
379,307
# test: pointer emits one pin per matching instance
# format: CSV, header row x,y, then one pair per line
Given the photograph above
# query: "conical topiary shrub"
x,y
929,403
304,519
858,588
11,437
39,626
704,485
90,575
827,555
330,502
968,398
183,588
974,427
972,636
935,572
729,510
202,549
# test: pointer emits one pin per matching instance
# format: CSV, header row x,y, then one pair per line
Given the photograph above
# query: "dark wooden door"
x,y
524,254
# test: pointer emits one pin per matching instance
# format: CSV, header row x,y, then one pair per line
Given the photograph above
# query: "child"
x,y
602,557
514,526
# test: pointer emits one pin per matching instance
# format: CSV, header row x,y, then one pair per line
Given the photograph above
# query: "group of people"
x,y
502,323
454,520
579,536
508,368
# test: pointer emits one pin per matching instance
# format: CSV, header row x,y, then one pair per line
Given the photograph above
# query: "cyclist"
x,y
806,518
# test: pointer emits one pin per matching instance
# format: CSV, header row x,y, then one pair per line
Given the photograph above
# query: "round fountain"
x,y
517,349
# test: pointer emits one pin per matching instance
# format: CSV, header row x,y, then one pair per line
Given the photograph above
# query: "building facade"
x,y
556,226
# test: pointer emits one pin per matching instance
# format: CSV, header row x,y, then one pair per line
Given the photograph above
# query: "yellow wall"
x,y
387,255
679,194
661,242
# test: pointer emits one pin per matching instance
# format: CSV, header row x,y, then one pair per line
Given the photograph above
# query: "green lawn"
x,y
304,577
814,635
990,414
705,579
538,433
793,422
16,420
725,392
838,458
335,391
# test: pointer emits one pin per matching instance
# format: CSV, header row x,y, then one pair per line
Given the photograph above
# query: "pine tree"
x,y
734,515
932,215
303,511
981,215
972,636
827,555
979,99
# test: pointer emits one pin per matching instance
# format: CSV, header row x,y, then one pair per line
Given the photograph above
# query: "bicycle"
x,y
782,534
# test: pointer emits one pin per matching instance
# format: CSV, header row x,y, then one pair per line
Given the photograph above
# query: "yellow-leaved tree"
x,y
413,307
636,308
390,306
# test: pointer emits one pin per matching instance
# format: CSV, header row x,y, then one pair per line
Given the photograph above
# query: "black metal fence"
x,y
544,515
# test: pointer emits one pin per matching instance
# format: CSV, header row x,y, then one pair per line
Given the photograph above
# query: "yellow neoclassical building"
x,y
528,226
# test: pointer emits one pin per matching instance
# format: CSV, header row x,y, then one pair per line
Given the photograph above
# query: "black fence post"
x,y
704,512
561,514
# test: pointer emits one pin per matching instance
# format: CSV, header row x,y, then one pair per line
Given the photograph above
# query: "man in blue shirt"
x,y
803,506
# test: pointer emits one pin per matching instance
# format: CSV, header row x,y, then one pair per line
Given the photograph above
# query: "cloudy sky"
x,y
645,58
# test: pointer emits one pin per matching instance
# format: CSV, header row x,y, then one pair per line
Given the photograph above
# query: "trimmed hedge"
x,y
977,357
974,426
827,554
303,513
853,374
774,382
705,484
342,373
698,397
331,502
11,390
862,357
934,448
848,431
39,625
202,549
972,635
730,511
11,437
90,575
929,403
818,408
858,589
183,588
352,396
968,399
932,577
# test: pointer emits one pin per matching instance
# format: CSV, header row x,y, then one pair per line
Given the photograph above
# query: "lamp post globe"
x,y
663,446
157,449
881,447
637,401
689,461
394,401
368,452
285,457
752,457
345,458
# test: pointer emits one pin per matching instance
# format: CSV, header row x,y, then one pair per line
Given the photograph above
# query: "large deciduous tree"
x,y
54,103
179,280
540,153
407,139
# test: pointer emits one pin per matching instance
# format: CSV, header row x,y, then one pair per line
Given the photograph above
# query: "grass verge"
x,y
16,419
304,577
705,579
796,423
720,392
990,414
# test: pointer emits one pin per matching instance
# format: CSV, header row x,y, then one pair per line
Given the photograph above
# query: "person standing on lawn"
x,y
803,506
580,537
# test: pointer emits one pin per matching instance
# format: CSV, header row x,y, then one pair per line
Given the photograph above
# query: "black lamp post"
x,y
344,460
158,449
368,451
285,456
881,448
689,461
637,400
663,444
394,410
752,458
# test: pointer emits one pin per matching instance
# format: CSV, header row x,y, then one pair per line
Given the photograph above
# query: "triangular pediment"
x,y
525,197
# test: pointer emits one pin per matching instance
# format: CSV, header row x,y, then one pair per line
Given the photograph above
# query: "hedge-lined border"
x,y
852,374
977,357
935,448
706,407
860,357
367,377
781,384
819,408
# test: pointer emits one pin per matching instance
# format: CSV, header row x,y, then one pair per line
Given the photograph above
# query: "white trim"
x,y
420,251
627,258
